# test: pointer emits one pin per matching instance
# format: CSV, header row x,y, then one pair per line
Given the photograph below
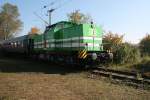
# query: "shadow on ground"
x,y
16,65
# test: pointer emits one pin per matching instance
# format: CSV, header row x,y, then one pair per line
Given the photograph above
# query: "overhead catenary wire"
x,y
52,6
40,18
52,9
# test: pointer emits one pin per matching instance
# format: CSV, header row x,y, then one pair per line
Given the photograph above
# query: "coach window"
x,y
15,44
11,44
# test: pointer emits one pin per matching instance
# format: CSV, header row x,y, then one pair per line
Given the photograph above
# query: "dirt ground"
x,y
35,80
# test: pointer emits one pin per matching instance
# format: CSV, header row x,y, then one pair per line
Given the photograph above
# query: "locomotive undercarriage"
x,y
72,58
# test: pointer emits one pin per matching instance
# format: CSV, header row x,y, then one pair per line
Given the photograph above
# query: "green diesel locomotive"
x,y
64,42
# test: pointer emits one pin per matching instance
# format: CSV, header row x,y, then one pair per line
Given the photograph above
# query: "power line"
x,y
53,9
40,18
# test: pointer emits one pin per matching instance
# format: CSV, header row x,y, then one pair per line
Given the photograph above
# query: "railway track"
x,y
123,77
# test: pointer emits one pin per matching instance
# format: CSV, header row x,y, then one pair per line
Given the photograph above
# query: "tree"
x,y
10,24
111,40
145,45
34,30
79,18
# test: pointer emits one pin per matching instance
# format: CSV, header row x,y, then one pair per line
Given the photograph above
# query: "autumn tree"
x,y
34,30
145,45
79,18
111,40
10,23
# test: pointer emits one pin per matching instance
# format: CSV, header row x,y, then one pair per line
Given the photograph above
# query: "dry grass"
x,y
143,66
50,84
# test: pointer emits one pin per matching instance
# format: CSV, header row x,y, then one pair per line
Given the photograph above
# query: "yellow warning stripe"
x,y
82,54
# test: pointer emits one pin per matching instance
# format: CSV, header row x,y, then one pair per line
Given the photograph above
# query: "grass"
x,y
143,66
27,80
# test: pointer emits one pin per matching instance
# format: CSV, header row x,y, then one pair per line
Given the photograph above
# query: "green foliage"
x,y
126,53
9,21
145,45
79,18
123,52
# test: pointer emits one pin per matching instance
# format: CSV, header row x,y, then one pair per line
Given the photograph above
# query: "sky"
x,y
130,18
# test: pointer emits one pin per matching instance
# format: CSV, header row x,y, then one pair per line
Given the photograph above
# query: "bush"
x,y
123,52
145,45
126,53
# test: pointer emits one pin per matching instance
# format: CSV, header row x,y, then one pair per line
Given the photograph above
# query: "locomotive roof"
x,y
58,23
61,22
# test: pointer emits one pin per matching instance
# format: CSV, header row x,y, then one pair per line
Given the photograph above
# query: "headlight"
x,y
94,56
